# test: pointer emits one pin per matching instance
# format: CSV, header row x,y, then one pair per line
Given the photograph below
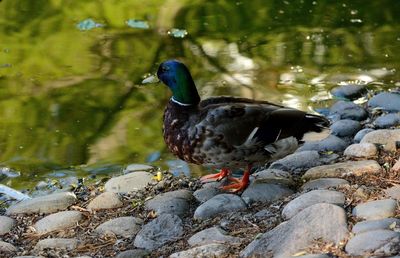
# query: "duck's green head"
x,y
177,77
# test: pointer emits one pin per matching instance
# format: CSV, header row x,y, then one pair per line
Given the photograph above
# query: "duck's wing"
x,y
245,122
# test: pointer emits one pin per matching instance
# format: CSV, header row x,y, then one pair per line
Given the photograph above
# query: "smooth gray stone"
x,y
212,235
361,150
219,204
348,110
130,182
345,128
298,161
58,221
378,243
174,202
386,101
265,193
122,226
385,137
370,225
330,143
264,214
273,176
310,198
358,137
357,168
106,200
300,232
324,183
134,253
393,192
44,204
60,243
7,247
6,224
387,121
376,209
210,250
348,91
160,231
204,194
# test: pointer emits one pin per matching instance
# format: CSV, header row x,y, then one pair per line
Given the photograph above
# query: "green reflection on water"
x,y
71,98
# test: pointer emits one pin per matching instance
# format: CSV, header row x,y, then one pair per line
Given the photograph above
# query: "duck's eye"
x,y
164,68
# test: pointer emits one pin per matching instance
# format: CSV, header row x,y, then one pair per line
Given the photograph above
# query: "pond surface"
x,y
71,99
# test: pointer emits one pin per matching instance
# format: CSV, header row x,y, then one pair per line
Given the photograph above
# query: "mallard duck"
x,y
228,132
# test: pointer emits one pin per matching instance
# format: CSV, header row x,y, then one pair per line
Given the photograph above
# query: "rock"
x,y
298,161
386,101
134,253
175,202
122,226
376,209
358,137
310,198
324,183
345,128
361,150
374,243
205,194
41,185
371,225
263,214
300,232
44,204
211,250
351,91
7,247
357,168
330,143
385,137
211,236
60,243
6,224
393,192
58,221
107,200
163,229
273,176
219,204
130,182
387,121
348,110
137,167
265,193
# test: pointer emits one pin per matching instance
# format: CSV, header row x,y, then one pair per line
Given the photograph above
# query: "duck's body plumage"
x,y
228,132
233,132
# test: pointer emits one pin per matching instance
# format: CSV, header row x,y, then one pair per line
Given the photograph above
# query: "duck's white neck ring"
x,y
180,103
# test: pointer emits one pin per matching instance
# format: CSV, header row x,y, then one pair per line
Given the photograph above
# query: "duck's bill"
x,y
151,79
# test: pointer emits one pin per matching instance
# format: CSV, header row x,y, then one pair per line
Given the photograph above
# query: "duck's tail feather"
x,y
317,128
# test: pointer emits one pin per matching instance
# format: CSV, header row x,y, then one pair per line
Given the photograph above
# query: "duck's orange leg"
x,y
216,177
240,185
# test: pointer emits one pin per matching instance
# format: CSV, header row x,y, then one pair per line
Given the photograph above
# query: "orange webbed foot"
x,y
215,177
238,185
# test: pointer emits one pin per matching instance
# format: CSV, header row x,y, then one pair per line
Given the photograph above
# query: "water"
x,y
71,102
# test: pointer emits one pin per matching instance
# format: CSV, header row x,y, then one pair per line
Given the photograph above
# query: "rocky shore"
x,y
337,197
